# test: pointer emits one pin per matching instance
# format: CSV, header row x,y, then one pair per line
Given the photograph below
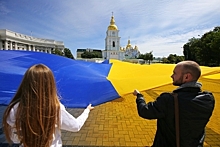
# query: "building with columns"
x,y
113,50
10,40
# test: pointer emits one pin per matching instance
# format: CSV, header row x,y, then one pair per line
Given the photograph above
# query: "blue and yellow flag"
x,y
80,83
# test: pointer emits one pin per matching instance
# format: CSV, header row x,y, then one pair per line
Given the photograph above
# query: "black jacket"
x,y
195,109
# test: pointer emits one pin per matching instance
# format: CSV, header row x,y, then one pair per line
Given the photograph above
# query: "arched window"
x,y
113,44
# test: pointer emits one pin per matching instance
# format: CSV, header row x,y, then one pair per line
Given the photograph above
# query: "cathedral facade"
x,y
130,51
113,50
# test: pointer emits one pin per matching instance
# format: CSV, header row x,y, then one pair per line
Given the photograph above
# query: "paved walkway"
x,y
117,123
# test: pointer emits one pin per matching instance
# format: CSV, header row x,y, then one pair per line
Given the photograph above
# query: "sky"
x,y
161,26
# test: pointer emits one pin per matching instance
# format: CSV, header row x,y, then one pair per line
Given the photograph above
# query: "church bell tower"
x,y
112,42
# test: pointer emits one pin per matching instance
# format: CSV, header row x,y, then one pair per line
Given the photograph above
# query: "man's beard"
x,y
178,82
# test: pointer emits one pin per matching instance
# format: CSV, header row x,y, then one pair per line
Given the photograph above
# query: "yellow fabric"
x,y
211,72
126,77
214,76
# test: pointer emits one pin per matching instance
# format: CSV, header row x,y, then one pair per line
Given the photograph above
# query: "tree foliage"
x,y
141,56
148,57
204,50
165,60
173,59
57,52
90,55
67,53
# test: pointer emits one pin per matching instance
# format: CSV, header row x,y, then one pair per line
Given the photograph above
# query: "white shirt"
x,y
67,121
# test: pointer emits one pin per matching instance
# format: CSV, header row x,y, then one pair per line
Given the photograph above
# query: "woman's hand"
x,y
90,107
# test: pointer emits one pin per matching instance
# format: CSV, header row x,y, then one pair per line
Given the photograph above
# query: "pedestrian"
x,y
195,109
35,116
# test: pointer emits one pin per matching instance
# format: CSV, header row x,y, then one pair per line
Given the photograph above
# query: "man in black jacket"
x,y
195,109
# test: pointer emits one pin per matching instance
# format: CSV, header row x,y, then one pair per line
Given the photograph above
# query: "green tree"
x,y
86,54
67,53
172,58
57,52
211,48
90,55
97,54
204,50
148,57
192,49
165,60
141,56
179,59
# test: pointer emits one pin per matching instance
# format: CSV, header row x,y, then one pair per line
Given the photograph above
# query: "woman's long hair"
x,y
38,111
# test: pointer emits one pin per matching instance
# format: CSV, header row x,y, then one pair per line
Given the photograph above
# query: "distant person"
x,y
35,115
195,109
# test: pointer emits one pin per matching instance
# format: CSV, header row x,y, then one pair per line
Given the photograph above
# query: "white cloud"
x,y
161,26
165,45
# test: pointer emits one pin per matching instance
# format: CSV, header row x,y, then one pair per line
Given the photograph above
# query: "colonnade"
x,y
10,45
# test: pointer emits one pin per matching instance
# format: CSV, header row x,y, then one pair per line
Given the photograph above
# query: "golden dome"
x,y
129,44
136,48
112,25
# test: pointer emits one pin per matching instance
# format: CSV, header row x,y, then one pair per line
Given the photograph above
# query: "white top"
x,y
67,121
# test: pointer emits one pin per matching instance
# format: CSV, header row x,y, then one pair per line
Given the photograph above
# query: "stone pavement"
x,y
117,123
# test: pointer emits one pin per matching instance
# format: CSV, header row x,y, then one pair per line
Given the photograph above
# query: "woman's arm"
x,y
70,123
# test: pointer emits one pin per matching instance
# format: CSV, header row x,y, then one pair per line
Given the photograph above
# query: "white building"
x,y
112,45
130,51
10,40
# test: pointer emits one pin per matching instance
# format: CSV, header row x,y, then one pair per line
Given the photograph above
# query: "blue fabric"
x,y
78,82
105,62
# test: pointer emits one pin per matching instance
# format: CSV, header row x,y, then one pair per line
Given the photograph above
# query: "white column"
x,y
16,46
11,45
0,45
33,48
49,51
6,45
24,47
29,47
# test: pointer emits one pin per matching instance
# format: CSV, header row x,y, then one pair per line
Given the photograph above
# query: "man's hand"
x,y
136,92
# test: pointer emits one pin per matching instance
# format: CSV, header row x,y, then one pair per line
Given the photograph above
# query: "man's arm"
x,y
150,110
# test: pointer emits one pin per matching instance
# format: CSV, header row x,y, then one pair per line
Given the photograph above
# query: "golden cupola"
x,y
136,48
129,44
112,25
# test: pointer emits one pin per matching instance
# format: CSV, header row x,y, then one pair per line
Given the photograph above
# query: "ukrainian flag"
x,y
80,83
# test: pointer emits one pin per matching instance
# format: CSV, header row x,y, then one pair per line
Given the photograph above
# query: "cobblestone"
x,y
117,123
